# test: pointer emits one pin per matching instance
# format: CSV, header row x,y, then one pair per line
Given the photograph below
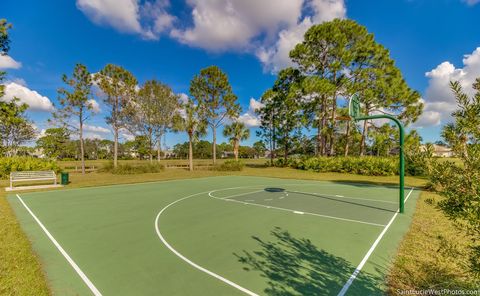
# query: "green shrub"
x,y
129,169
372,166
23,163
418,163
231,165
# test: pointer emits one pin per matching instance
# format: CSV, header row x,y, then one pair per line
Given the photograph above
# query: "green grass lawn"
x,y
432,255
21,272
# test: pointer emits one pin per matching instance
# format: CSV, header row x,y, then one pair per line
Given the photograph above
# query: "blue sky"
x,y
172,40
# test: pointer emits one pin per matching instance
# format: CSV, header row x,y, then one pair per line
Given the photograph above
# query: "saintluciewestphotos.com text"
x,y
438,292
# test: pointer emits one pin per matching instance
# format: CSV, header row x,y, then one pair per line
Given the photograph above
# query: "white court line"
x,y
370,251
293,211
240,194
182,257
178,254
62,251
347,197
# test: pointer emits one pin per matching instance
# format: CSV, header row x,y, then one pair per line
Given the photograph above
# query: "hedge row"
x,y
371,166
131,169
231,165
12,164
415,165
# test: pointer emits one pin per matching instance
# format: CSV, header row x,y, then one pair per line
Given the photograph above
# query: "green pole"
x,y
402,157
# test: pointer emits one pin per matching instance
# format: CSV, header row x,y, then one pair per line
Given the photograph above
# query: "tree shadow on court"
x,y
294,266
365,205
373,184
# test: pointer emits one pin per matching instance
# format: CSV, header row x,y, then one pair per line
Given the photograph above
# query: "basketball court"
x,y
227,235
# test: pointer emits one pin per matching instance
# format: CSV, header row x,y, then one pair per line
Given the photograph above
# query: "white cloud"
x,y
120,14
250,118
327,10
34,100
93,136
126,134
148,19
268,28
439,100
220,25
94,105
40,134
128,137
6,62
183,98
20,81
428,118
275,56
90,136
471,2
96,129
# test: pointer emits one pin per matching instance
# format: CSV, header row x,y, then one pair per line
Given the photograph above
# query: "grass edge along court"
x,y
82,236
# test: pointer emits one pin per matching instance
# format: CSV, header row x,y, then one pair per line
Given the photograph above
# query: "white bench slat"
x,y
20,176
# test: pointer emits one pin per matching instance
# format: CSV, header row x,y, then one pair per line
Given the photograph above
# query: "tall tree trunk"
x,y
347,138
333,122
271,146
82,152
159,149
214,148
115,147
150,146
363,140
274,141
190,151
324,123
235,149
319,136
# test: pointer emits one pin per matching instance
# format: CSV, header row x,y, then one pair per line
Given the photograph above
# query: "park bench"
x,y
24,176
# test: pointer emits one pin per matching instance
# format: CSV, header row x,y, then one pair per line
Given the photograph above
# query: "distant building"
x,y
169,154
228,154
267,154
439,150
38,153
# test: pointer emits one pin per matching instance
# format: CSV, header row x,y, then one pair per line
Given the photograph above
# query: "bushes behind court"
x,y
12,164
129,169
231,165
368,165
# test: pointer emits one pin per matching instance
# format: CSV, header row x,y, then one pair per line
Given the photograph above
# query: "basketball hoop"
x,y
354,107
355,113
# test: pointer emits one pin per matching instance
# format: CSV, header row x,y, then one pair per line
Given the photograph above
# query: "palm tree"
x,y
237,131
190,122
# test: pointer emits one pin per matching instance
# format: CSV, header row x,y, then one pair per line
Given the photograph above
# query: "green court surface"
x,y
216,236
